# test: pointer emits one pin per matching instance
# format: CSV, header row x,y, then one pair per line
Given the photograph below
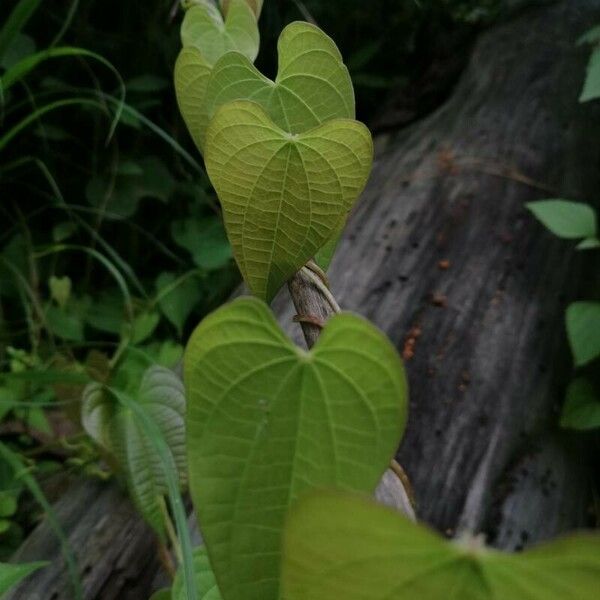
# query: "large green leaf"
x,y
341,546
11,574
583,331
283,195
118,430
205,579
267,420
312,85
203,28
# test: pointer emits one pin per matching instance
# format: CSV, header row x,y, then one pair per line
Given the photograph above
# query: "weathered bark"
x,y
442,255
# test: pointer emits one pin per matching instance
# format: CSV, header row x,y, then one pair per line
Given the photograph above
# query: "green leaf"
x,y
267,420
178,297
11,574
205,239
15,22
312,85
191,77
588,244
142,328
164,594
255,5
60,290
118,430
203,28
66,324
581,409
583,331
205,579
591,36
342,546
283,195
21,46
570,220
591,87
119,196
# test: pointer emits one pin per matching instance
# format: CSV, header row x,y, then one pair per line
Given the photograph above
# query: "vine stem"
x,y
315,304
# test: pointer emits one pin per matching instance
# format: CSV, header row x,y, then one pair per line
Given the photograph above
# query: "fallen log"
x,y
442,255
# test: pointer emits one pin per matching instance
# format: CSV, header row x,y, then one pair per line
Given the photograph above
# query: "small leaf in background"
x,y
135,180
183,296
147,84
267,420
583,331
142,328
591,87
107,312
166,354
343,546
63,231
203,28
570,220
64,323
588,244
21,46
206,583
11,574
275,230
592,36
581,409
116,429
60,290
205,239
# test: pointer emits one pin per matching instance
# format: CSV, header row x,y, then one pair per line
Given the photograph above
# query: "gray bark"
x,y
442,255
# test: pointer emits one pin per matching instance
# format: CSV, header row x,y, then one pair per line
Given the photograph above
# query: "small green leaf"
x,y
583,331
581,409
66,324
255,5
344,546
60,290
570,220
591,87
203,28
143,326
178,297
588,244
8,504
205,239
11,574
312,85
205,579
283,195
591,36
117,430
267,420
63,231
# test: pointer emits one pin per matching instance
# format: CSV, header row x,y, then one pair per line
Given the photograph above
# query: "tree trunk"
x,y
442,255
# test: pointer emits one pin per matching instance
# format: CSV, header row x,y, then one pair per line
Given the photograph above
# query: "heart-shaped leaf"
x,y
267,420
341,546
117,430
283,195
583,331
256,6
203,28
312,85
